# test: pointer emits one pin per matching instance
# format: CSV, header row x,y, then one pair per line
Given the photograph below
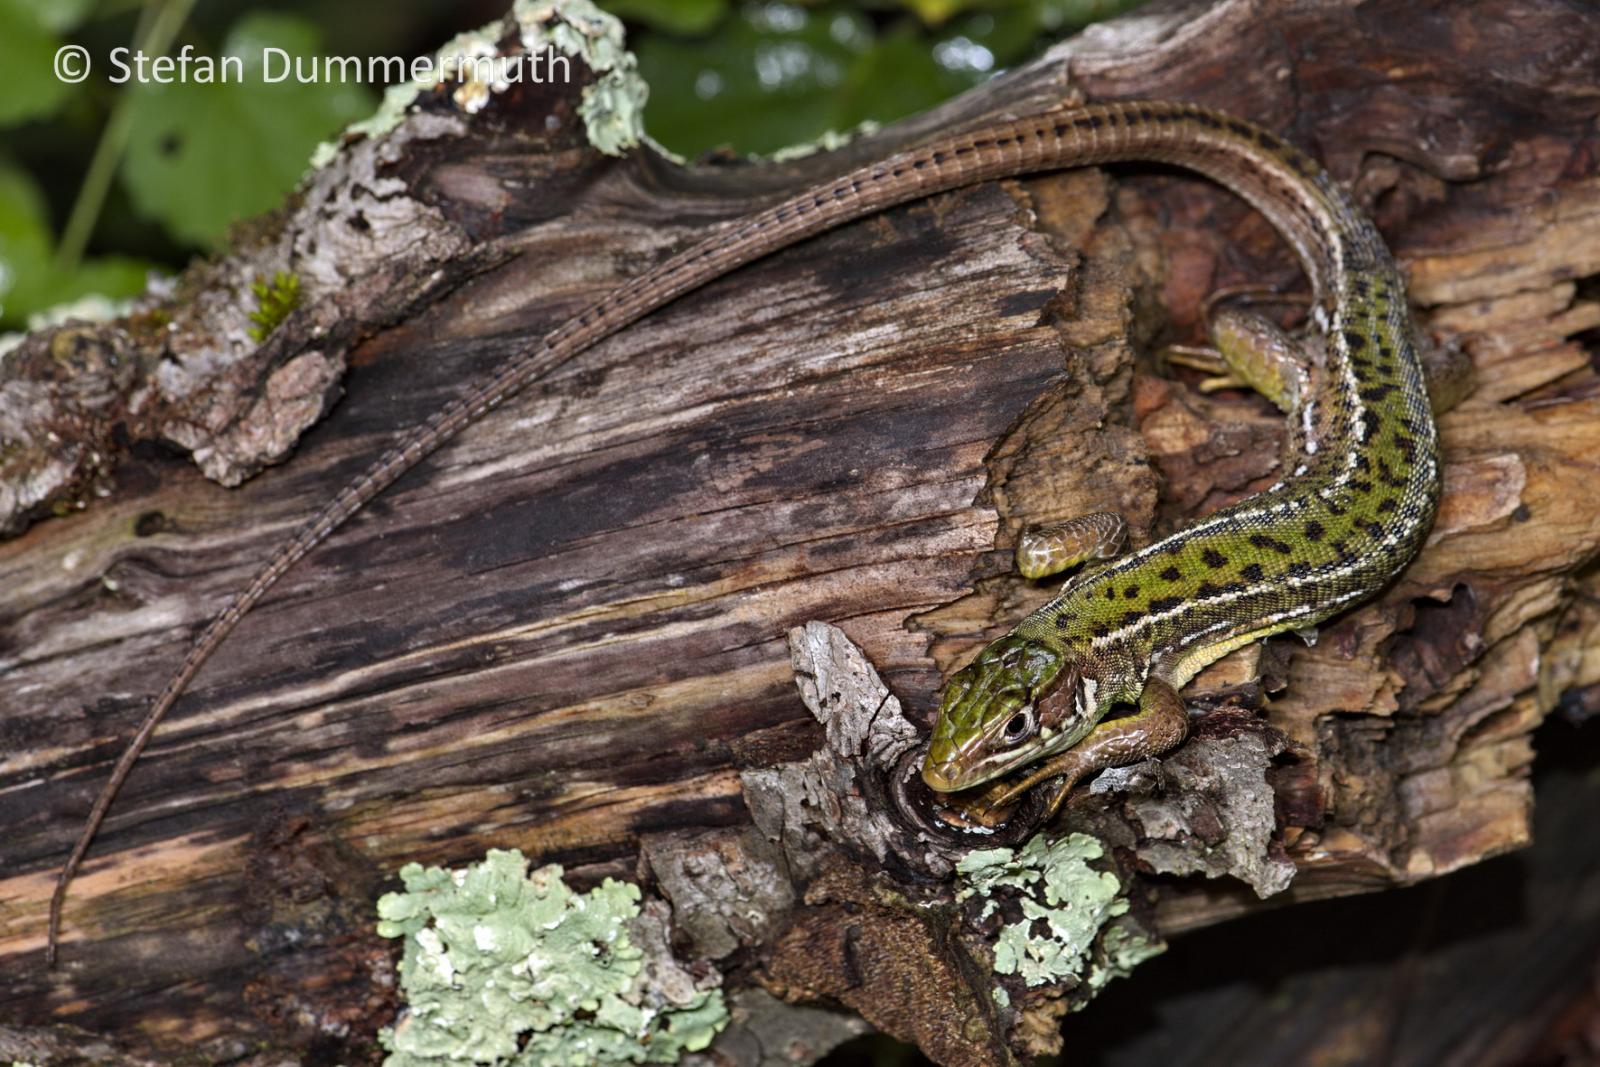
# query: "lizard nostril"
x,y
940,777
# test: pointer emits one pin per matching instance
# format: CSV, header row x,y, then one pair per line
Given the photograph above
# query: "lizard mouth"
x,y
992,804
958,815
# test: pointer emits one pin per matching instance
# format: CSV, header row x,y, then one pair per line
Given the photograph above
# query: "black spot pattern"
x,y
1354,509
1267,541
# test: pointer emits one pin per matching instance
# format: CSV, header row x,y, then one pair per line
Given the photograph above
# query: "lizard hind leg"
x,y
1046,550
1257,354
1260,355
1449,371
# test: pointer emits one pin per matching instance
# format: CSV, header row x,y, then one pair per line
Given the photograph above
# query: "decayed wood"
x,y
1495,964
566,633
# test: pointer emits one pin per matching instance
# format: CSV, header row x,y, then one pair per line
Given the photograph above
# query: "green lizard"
x,y
1358,498
1327,537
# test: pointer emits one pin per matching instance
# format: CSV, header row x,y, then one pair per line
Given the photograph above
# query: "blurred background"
x,y
101,183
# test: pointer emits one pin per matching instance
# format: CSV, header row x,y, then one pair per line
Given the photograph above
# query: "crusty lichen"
x,y
1067,907
828,141
612,107
506,967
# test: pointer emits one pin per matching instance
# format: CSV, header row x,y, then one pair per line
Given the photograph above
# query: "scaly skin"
x,y
1362,301
1353,510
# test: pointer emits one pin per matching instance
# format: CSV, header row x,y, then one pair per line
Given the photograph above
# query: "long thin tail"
x,y
1216,144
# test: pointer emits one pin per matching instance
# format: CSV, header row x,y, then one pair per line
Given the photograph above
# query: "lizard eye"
x,y
1019,725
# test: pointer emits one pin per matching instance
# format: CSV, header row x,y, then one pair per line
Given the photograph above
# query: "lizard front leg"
x,y
1046,550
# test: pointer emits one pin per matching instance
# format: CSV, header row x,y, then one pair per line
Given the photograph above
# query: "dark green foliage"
x,y
102,182
763,76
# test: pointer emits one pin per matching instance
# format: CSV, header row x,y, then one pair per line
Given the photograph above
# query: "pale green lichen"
x,y
456,58
391,109
828,141
506,967
1066,904
1121,950
612,107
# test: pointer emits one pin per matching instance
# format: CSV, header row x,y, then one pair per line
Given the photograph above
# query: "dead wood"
x,y
567,632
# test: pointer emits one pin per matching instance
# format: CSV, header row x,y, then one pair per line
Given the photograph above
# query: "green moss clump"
x,y
274,301
506,967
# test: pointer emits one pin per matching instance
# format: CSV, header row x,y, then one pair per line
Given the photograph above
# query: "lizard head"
x,y
1018,702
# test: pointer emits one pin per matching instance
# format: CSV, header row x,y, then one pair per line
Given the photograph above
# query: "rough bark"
x,y
567,632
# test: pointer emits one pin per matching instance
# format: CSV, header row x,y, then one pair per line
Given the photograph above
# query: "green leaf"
x,y
24,245
673,16
1064,16
901,75
29,281
27,57
933,12
775,75
766,79
117,277
204,155
58,15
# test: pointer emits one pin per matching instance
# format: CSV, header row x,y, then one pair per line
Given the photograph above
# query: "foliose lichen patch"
x,y
1067,930
506,967
613,105
612,108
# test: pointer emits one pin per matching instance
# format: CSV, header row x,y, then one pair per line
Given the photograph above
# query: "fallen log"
x,y
568,633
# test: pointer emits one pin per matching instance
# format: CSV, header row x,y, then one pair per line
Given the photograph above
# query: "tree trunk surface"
x,y
569,631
